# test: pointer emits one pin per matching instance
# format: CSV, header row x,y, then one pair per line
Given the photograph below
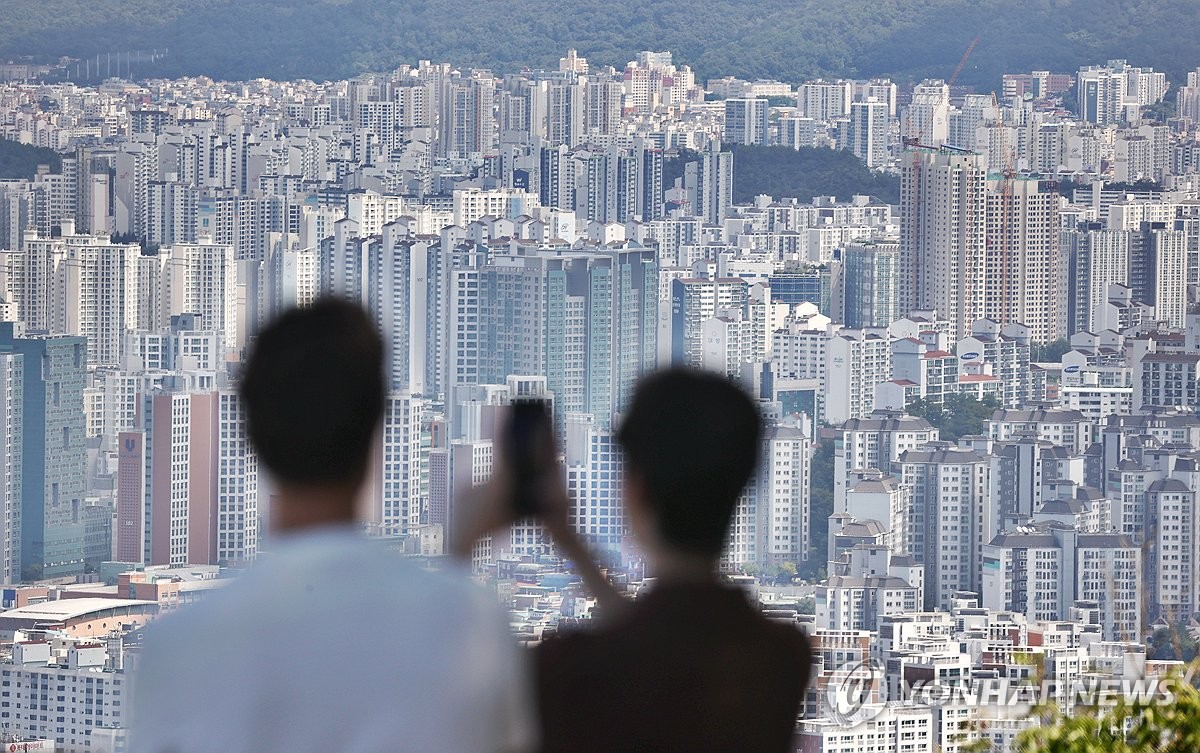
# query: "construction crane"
x,y
962,63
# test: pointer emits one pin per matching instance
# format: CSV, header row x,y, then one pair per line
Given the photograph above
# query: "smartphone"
x,y
529,451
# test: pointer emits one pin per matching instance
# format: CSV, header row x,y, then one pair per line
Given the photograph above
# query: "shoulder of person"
x,y
190,635
563,646
446,586
790,637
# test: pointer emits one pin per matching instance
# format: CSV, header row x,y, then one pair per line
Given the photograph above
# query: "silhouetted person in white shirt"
x,y
329,643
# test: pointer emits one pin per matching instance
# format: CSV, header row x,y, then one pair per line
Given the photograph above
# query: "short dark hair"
x,y
692,438
314,393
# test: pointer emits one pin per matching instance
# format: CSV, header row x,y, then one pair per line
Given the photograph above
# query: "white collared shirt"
x,y
334,646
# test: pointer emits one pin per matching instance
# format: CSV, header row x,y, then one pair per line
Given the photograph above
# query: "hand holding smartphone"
x,y
528,453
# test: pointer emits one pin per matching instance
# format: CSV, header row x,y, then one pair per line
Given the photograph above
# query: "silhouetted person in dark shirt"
x,y
691,665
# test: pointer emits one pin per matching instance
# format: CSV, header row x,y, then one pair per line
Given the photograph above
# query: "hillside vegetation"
x,y
783,172
22,160
804,173
786,39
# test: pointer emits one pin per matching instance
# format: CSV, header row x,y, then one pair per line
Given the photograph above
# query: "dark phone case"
x,y
528,426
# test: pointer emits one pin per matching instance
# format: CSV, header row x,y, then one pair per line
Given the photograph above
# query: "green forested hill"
x,y
786,39
22,160
780,171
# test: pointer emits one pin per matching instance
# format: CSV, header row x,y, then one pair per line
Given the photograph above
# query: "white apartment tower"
x,y
944,525
201,278
856,361
604,99
784,495
746,121
236,485
594,478
876,442
943,209
927,117
291,279
82,285
824,100
694,301
1022,247
399,486
1102,93
869,131
11,443
1041,571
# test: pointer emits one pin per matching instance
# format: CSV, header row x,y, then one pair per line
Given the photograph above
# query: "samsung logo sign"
x,y
1070,369
969,356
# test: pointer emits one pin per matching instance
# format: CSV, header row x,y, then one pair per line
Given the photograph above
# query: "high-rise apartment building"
x,y
824,100
85,285
943,207
1022,247
594,480
90,687
1094,258
1174,563
401,292
564,106
603,104
1005,350
927,117
771,523
944,524
870,285
201,278
53,453
695,301
399,280
170,212
237,487
191,463
784,492
869,131
650,182
12,451
709,184
1102,93
1164,380
585,318
1107,93
1158,270
1042,571
290,277
746,121
798,132
467,120
882,89
727,345
398,486
856,361
876,442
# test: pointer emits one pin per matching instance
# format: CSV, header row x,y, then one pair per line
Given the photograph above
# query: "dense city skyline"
x,y
528,236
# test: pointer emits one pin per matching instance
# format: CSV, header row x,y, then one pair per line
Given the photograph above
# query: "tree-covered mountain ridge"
x,y
791,40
